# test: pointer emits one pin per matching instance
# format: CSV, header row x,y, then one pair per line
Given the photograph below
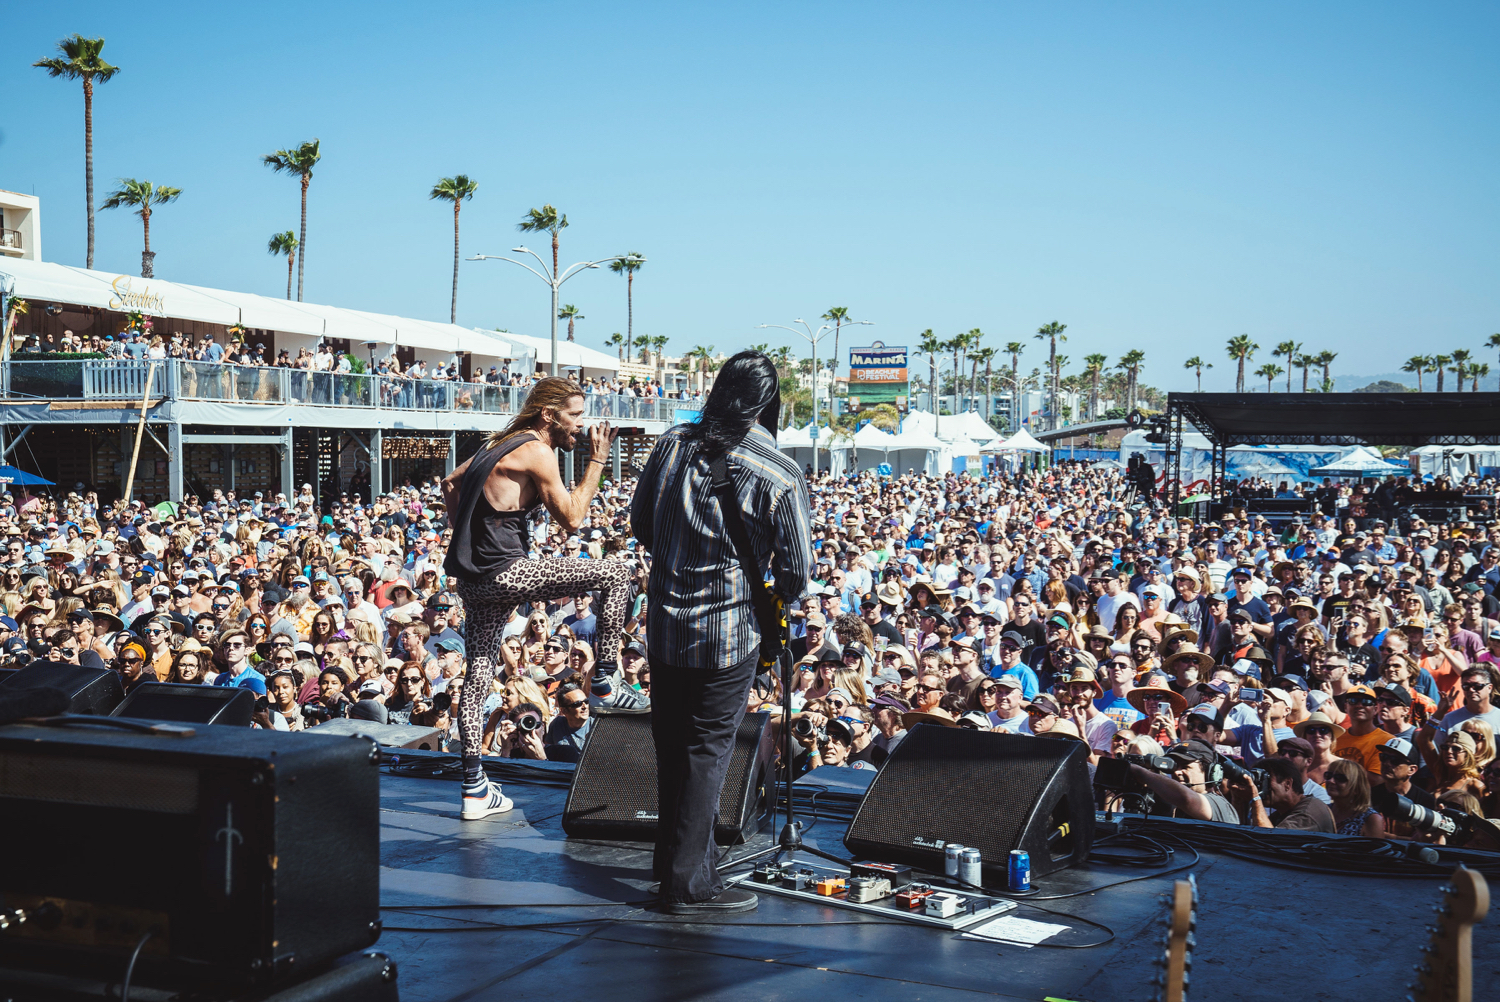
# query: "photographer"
x,y
519,733
1193,760
1294,809
331,703
836,747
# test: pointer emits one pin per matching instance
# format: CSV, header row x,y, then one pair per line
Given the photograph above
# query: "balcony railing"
x,y
112,379
10,239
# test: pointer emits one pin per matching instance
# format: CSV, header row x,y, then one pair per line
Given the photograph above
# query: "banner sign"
x,y
877,374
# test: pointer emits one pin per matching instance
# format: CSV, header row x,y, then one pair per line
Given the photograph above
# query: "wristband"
x,y
1256,798
599,461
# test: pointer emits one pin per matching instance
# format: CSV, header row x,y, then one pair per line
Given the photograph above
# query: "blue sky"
x,y
1156,176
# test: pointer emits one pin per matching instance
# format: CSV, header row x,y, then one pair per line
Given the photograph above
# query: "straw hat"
x,y
1063,729
1084,675
939,716
1318,719
890,593
1137,697
1189,653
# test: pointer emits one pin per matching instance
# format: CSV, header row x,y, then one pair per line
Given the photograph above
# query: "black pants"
x,y
695,713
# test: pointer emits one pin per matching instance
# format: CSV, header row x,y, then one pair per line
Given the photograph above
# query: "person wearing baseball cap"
x,y
1361,737
1188,789
1399,762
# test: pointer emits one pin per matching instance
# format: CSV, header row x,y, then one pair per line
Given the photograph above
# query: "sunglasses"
x,y
1317,731
929,688
1359,701
1476,686
390,671
575,704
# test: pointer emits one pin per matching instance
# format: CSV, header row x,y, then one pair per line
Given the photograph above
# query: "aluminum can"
x,y
969,862
950,859
1018,872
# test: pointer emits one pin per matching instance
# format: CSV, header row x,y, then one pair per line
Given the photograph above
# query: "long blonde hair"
x,y
550,394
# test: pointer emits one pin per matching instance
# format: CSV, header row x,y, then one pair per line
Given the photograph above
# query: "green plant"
x,y
83,62
356,364
285,243
298,161
143,195
628,265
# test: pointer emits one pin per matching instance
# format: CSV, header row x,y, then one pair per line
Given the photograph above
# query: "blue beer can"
x,y
1018,871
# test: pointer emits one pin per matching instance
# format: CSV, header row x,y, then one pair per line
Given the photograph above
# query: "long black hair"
x,y
747,390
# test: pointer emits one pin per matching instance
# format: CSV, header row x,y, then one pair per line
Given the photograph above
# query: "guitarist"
x,y
709,623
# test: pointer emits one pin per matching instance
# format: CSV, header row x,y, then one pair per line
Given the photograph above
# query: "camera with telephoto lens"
x,y
315,713
1457,827
528,721
804,728
1236,773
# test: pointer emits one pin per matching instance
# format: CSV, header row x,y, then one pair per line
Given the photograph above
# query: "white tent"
x,y
1357,461
1021,441
570,354
967,425
833,452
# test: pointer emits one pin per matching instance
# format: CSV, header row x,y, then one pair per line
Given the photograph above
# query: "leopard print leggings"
x,y
488,606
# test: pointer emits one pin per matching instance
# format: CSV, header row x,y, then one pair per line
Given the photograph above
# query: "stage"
x,y
1263,931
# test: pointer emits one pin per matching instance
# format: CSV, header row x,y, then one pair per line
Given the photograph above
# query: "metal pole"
x,y
554,284
815,402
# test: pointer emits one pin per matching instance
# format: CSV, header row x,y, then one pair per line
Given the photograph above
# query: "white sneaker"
x,y
492,801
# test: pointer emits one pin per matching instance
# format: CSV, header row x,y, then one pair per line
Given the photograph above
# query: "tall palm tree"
x,y
142,195
929,345
1303,362
545,220
298,161
1093,367
1288,350
701,357
1197,365
628,265
458,189
1241,349
658,342
1131,363
1270,371
1052,333
1439,363
1014,349
81,61
1460,358
1418,364
985,355
838,316
1493,342
285,243
617,341
971,345
1478,370
570,313
1324,360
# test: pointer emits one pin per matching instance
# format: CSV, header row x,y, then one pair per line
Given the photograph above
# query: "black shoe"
x,y
728,902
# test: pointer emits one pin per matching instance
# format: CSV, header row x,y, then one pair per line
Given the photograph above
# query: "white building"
x,y
20,226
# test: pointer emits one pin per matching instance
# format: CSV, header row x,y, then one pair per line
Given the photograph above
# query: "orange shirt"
x,y
1442,671
1362,748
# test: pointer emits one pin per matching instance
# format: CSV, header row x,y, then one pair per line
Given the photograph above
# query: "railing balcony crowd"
x,y
125,379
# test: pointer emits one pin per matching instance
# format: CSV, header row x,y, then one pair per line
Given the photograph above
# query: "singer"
x,y
489,500
702,637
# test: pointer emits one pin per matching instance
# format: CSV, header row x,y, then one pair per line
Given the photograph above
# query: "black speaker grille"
x,y
614,787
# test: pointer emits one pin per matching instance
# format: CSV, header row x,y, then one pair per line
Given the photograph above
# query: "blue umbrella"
x,y
11,475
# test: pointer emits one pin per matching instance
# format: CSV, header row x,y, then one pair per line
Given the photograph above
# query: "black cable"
x,y
1080,918
571,904
130,967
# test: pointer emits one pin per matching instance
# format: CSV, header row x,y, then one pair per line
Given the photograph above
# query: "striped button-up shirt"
x,y
699,612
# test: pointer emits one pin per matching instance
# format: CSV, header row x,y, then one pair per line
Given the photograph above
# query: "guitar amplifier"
x,y
233,859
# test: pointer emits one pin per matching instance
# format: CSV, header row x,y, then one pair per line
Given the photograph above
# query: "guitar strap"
x,y
772,633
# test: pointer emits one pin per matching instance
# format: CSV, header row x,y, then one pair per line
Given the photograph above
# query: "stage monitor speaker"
x,y
90,690
389,735
613,795
251,856
189,704
981,789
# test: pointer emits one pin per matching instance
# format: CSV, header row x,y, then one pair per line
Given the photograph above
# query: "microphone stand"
x,y
790,842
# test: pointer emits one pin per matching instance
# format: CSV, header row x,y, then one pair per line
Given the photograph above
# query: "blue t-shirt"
x,y
1253,741
585,630
1030,684
248,679
1118,709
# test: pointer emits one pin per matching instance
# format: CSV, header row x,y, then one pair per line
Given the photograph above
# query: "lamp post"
x,y
807,334
552,279
1016,386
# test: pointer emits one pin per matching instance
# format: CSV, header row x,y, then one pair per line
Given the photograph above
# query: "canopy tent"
x,y
1021,441
952,427
1359,461
797,443
1108,464
11,475
570,354
46,282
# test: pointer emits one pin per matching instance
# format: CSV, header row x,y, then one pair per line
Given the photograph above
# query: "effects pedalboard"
x,y
877,889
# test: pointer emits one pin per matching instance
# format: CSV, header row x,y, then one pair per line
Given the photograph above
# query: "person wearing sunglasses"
x,y
569,730
131,664
1361,738
234,651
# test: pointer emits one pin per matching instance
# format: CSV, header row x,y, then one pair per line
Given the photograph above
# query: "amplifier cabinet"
x,y
249,855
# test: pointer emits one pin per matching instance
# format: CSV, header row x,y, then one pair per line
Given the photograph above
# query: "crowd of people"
x,y
1341,660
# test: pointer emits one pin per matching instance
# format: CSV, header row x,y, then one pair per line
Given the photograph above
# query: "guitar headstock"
x,y
1447,972
1177,954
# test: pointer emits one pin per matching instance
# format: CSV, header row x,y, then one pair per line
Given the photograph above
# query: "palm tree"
x,y
1014,349
1241,349
1131,363
1289,350
1493,342
82,62
985,355
457,189
143,195
658,342
1198,365
838,316
616,341
1052,333
929,345
1419,364
628,265
971,348
701,356
285,243
1093,368
570,313
545,220
300,162
1270,371
1478,370
1439,363
1460,358
1324,359
1303,362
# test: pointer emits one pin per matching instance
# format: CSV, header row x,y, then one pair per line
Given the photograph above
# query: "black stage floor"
x,y
1263,931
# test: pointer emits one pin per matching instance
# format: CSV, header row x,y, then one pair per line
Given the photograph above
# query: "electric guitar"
x,y
1177,954
1446,973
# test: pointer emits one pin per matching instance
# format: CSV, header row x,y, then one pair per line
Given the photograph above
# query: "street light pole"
x,y
553,280
813,339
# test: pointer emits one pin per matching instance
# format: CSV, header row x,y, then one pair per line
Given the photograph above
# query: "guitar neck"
x,y
1446,974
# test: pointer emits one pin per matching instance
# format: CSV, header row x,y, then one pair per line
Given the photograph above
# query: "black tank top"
x,y
486,542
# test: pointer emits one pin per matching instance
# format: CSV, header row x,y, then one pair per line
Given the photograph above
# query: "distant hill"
x,y
1385,386
1408,380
